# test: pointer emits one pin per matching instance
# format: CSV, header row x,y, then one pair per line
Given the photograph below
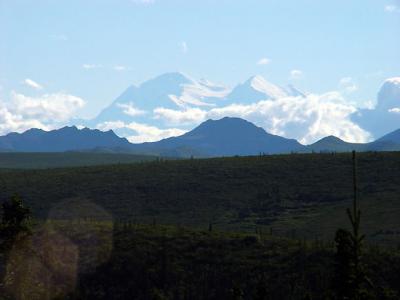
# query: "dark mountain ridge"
x,y
225,137
228,137
64,139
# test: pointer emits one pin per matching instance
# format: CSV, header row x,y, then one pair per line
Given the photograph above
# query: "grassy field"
x,y
66,159
297,196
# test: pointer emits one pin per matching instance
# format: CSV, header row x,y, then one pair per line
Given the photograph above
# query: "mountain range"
x,y
173,103
178,92
212,138
64,139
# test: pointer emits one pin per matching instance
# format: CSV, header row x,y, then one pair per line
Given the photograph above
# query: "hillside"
x,y
293,195
17,160
389,142
227,137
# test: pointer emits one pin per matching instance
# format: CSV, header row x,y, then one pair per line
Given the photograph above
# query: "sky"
x,y
84,53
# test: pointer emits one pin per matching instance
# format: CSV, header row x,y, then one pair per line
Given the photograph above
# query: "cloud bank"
x,y
45,112
304,118
139,132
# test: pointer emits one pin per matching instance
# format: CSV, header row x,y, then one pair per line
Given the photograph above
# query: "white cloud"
x,y
111,125
304,118
395,110
296,74
392,8
57,107
91,66
177,117
142,132
184,47
348,85
264,61
131,110
120,68
33,84
46,112
10,122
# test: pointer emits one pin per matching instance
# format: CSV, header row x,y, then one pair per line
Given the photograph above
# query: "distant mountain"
x,y
227,137
178,92
64,139
393,137
389,142
257,89
212,138
171,90
334,144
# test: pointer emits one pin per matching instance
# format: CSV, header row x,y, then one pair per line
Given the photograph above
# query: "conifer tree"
x,y
350,271
14,221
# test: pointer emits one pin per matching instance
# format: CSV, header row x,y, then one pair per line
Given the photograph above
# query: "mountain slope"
x,y
390,142
64,139
334,144
393,137
227,137
170,90
257,89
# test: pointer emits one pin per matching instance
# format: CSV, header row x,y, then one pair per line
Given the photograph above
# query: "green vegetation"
x,y
351,278
96,260
300,196
229,228
22,160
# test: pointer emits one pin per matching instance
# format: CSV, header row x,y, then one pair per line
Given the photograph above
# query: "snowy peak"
x,y
291,90
257,88
167,81
261,85
177,92
199,93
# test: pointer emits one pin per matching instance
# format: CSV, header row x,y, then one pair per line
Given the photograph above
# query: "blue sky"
x,y
95,49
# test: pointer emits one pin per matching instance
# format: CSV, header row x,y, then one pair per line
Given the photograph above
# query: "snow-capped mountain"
x,y
177,91
255,89
171,90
